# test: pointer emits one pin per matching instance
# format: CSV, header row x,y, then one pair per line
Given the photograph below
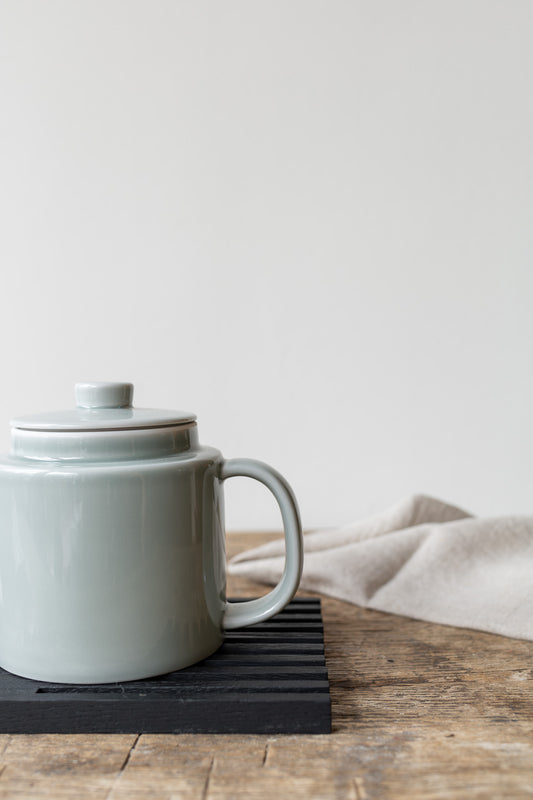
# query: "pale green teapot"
x,y
112,556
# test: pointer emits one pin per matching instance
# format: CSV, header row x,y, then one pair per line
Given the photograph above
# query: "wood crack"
x,y
349,683
123,766
129,754
360,793
6,745
208,779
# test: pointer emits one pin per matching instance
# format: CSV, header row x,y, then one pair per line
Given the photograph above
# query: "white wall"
x,y
309,222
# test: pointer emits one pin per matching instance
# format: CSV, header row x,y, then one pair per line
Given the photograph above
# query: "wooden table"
x,y
419,711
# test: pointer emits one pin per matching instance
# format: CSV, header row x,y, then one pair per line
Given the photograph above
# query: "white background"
x,y
309,222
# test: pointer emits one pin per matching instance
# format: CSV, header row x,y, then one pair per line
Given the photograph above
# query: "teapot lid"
x,y
103,406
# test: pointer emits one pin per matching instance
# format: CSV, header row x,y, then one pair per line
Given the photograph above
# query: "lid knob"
x,y
101,394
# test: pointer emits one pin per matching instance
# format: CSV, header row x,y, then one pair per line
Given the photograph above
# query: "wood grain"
x,y
419,711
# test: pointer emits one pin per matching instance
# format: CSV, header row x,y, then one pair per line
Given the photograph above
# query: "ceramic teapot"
x,y
112,543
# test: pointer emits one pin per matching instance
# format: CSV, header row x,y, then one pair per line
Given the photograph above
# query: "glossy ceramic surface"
x,y
112,558
102,406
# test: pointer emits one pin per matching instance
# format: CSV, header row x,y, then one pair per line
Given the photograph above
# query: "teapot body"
x,y
111,570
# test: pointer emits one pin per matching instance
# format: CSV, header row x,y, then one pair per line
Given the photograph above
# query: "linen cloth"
x,y
423,558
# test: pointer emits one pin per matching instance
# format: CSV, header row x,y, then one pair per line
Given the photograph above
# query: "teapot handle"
x,y
251,611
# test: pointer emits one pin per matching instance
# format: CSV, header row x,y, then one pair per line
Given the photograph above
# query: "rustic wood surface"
x,y
419,711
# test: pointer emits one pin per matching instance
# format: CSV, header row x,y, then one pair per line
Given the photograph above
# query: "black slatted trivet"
x,y
268,678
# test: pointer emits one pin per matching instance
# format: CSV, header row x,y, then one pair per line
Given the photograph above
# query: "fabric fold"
x,y
423,558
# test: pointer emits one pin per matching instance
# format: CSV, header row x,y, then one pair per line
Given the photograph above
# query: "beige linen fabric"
x,y
424,559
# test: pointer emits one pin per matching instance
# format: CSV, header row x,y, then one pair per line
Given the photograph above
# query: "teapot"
x,y
112,542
